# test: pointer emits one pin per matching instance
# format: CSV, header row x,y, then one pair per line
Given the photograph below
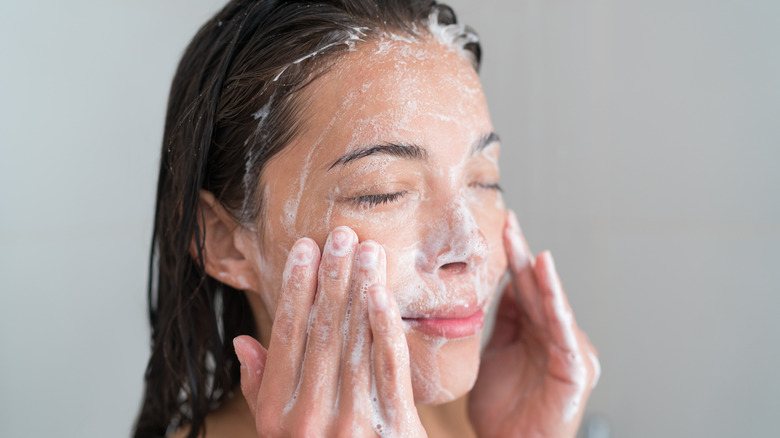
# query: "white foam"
x,y
596,368
455,36
263,112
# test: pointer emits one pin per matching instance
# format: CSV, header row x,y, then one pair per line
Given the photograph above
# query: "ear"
x,y
224,245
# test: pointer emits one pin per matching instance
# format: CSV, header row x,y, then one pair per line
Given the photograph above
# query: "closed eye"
x,y
493,186
375,200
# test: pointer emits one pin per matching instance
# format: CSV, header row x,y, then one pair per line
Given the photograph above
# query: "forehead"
x,y
396,89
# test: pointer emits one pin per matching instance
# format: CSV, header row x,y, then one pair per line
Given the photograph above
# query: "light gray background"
x,y
641,144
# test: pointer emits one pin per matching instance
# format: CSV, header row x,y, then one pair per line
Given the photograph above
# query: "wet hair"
x,y
235,102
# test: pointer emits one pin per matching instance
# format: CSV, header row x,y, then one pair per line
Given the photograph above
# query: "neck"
x,y
447,420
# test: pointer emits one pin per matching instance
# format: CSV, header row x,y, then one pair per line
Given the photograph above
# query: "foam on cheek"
x,y
454,238
426,375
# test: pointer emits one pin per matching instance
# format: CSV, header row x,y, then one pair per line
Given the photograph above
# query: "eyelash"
x,y
494,186
375,200
387,198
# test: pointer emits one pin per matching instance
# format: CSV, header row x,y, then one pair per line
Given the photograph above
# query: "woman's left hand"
x,y
539,367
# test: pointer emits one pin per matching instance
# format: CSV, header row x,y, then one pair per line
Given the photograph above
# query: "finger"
x,y
595,367
252,357
560,320
566,362
588,351
288,333
390,356
322,360
521,265
355,389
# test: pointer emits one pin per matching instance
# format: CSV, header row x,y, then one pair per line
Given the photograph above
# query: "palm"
x,y
535,373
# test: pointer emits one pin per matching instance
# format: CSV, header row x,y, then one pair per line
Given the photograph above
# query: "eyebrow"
x,y
485,141
410,151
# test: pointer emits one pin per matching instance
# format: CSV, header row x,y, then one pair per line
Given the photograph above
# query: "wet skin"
x,y
383,241
435,209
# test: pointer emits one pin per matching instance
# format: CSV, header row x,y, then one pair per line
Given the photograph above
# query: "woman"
x,y
329,214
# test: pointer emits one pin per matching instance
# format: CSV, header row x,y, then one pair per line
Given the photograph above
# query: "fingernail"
x,y
552,274
552,277
548,261
369,255
513,223
238,345
340,241
378,297
303,252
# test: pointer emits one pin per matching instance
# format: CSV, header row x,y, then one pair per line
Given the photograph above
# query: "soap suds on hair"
x,y
349,38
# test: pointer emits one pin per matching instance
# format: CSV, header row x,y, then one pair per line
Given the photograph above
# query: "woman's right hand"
x,y
337,363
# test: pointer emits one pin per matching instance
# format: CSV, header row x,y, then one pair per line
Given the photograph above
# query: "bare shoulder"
x,y
231,420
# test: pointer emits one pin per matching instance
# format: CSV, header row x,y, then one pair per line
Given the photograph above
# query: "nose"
x,y
454,244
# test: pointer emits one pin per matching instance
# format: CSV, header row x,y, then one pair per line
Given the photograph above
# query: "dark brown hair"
x,y
234,104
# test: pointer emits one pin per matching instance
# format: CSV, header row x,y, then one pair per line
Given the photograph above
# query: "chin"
x,y
442,369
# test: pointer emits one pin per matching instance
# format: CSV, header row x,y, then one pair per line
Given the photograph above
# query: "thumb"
x,y
252,357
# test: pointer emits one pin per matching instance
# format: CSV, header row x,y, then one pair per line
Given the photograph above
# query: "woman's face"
x,y
397,144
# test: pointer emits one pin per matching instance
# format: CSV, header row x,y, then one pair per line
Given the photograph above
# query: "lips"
x,y
451,325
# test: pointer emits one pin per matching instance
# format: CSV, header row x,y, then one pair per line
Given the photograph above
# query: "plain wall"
x,y
641,144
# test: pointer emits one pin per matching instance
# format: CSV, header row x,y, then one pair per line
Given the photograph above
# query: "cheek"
x,y
492,226
490,215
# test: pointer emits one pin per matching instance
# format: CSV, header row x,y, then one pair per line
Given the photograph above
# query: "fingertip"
x,y
382,265
303,251
239,346
371,260
545,268
546,271
250,370
510,227
547,259
341,240
300,260
249,352
511,220
518,255
380,250
347,229
368,255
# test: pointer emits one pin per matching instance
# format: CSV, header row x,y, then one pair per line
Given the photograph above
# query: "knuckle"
x,y
297,278
321,332
389,370
284,328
